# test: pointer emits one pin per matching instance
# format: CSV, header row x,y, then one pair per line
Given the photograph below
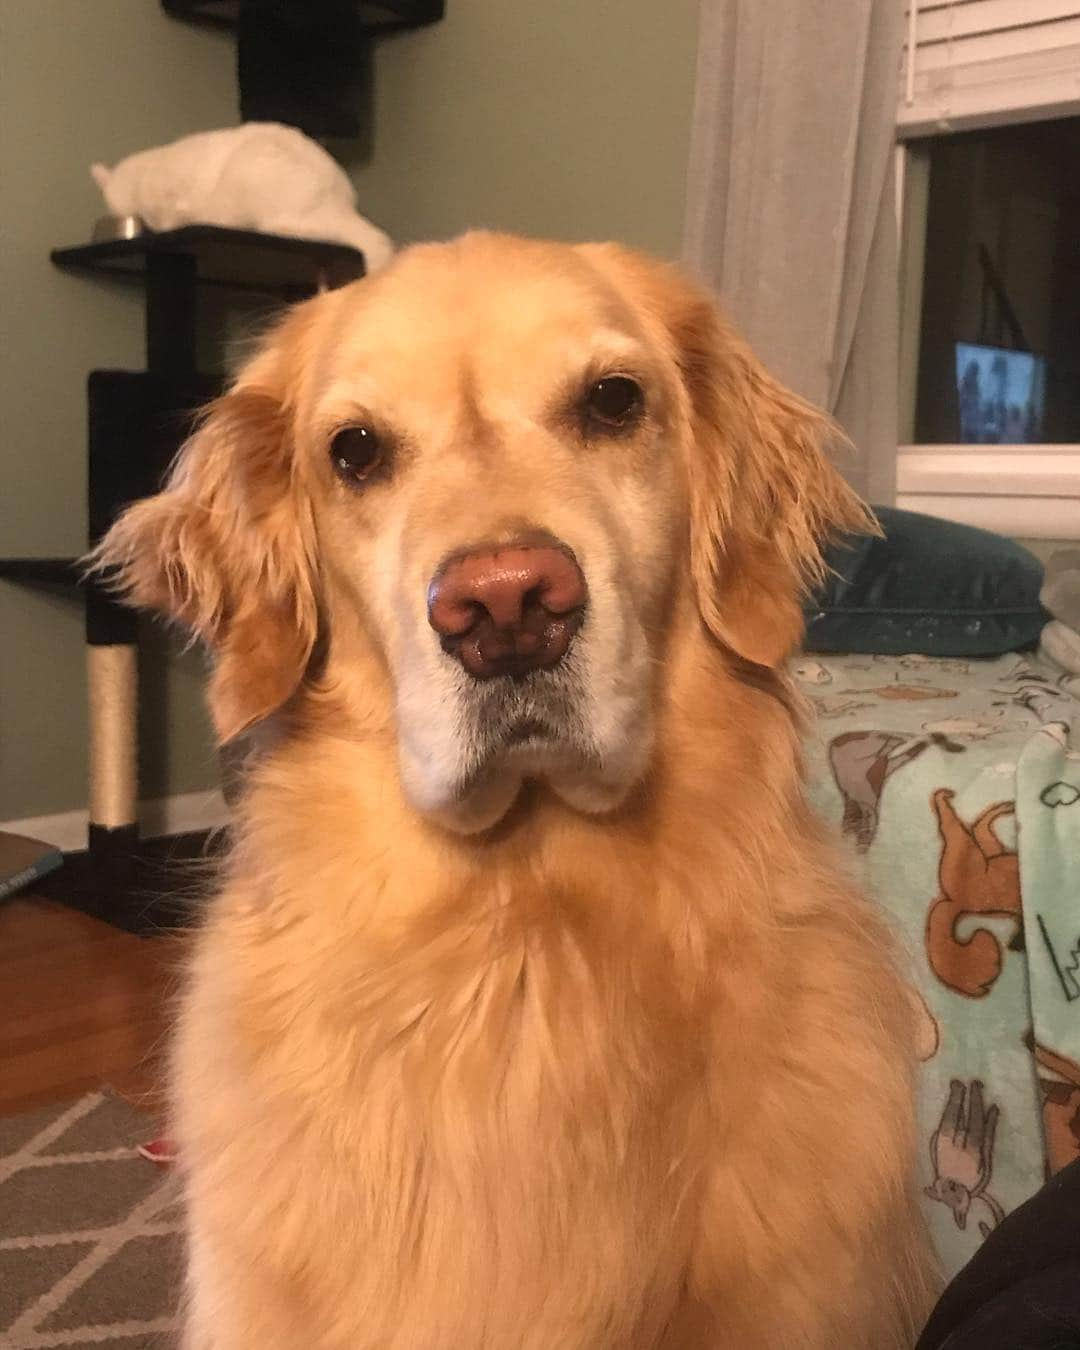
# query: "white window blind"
x,y
977,63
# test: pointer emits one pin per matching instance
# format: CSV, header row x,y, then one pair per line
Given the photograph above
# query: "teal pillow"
x,y
929,586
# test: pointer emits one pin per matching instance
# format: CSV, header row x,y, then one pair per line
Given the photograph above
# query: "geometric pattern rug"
x,y
90,1232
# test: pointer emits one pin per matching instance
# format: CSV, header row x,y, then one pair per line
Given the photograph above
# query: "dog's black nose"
x,y
508,611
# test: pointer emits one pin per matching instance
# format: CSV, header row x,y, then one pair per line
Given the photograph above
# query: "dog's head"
x,y
500,468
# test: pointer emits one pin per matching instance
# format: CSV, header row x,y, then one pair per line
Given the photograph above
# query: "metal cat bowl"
x,y
117,227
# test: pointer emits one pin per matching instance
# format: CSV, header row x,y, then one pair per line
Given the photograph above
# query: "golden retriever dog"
x,y
535,1009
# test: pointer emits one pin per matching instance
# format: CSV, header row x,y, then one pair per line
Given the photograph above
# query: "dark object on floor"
x,y
24,860
1021,1291
929,586
90,1232
161,885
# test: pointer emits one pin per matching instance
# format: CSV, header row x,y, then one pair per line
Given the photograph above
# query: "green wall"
x,y
568,118
80,80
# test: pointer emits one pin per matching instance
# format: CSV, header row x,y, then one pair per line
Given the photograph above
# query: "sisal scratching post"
x,y
113,687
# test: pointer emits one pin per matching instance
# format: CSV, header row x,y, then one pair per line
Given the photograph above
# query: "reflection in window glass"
x,y
999,351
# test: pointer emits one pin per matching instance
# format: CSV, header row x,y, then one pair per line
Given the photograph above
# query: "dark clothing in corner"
x,y
1021,1290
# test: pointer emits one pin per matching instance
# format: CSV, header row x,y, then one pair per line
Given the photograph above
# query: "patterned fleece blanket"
x,y
957,786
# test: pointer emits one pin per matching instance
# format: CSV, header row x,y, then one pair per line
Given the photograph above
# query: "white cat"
x,y
259,176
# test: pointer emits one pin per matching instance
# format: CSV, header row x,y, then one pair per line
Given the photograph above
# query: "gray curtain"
x,y
790,203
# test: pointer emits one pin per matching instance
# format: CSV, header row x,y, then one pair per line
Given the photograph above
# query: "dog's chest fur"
x,y
545,1091
517,1082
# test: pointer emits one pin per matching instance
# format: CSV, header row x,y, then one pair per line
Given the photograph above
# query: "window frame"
x,y
1026,491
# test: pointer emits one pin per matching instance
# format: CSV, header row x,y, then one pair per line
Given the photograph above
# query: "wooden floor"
x,y
82,1004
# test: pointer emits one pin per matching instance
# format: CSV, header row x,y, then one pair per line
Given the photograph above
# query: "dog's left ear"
x,y
764,497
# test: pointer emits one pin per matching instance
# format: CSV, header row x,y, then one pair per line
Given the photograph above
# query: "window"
x,y
999,331
990,264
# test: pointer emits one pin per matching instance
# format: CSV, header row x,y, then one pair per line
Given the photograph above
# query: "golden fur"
x,y
577,1064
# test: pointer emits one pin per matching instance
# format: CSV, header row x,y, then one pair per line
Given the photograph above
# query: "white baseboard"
x,y
166,815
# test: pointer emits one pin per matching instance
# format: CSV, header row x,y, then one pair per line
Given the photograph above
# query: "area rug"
x,y
89,1231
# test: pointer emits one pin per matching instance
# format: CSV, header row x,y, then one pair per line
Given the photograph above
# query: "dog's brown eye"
x,y
356,452
614,402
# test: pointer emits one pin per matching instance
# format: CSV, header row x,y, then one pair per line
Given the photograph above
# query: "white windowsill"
x,y
1027,492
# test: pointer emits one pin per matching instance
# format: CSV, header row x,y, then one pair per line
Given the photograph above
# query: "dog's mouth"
x,y
528,731
533,726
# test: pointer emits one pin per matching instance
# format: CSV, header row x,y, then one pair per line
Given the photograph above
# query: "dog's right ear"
x,y
226,550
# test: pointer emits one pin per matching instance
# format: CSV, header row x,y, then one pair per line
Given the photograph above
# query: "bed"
x,y
956,784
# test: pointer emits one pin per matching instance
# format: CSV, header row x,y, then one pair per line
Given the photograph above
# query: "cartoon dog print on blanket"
x,y
840,702
1044,698
968,729
808,671
1059,1089
978,875
839,705
909,693
862,762
962,1154
917,661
